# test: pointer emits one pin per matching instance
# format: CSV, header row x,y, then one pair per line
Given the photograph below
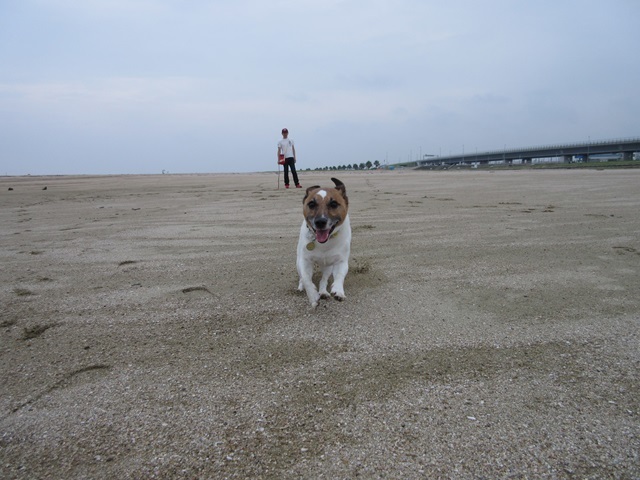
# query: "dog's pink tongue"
x,y
322,235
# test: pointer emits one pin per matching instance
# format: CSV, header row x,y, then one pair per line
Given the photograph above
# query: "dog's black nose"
x,y
321,223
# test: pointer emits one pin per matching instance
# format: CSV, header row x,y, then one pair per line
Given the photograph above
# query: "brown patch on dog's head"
x,y
325,209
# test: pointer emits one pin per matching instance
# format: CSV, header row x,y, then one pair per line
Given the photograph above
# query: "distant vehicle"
x,y
606,157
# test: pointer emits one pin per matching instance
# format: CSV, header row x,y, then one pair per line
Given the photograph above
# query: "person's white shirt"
x,y
286,147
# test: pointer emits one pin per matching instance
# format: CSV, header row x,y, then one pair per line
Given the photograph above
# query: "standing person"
x,y
287,148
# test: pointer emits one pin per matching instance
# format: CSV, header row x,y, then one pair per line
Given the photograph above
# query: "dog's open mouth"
x,y
323,235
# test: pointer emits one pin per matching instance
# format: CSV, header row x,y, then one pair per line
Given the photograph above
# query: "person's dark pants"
x,y
290,163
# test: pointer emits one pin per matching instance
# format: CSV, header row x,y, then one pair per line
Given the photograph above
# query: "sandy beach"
x,y
151,328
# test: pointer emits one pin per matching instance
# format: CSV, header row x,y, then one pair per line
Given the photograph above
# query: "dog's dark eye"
x,y
312,204
333,204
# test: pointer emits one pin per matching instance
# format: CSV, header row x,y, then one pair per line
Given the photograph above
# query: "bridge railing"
x,y
568,145
537,148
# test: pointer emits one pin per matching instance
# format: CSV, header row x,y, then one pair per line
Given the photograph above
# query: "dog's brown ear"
x,y
341,188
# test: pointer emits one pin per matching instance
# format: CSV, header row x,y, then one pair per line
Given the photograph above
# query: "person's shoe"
x,y
298,186
286,186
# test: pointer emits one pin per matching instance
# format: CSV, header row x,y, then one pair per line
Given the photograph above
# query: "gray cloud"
x,y
138,86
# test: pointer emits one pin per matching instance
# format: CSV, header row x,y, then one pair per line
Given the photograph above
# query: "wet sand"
x,y
151,328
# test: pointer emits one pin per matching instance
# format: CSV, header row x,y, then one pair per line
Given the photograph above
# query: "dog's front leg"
x,y
305,270
322,287
339,273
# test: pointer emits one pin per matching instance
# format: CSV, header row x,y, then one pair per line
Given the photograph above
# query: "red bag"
x,y
281,159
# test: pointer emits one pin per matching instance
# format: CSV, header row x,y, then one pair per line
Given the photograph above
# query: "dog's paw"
x,y
314,299
324,295
340,296
315,302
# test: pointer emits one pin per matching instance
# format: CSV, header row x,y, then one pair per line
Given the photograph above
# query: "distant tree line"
x,y
356,166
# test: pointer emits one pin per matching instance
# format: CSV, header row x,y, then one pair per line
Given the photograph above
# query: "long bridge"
x,y
624,148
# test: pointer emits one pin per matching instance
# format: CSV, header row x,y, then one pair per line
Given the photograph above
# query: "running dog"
x,y
325,240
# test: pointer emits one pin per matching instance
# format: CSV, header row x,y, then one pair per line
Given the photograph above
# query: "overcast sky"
x,y
186,86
